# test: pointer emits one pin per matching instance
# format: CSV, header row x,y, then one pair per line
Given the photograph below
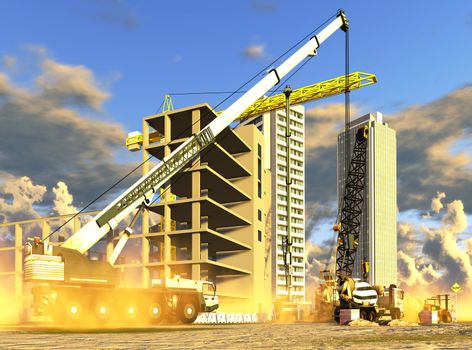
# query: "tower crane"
x,y
330,87
69,285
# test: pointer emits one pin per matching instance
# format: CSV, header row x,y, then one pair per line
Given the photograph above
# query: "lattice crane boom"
x,y
330,87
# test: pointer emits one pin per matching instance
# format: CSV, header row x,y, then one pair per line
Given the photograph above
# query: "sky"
x,y
77,76
140,50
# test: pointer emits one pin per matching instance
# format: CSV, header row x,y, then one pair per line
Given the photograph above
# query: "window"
x,y
259,150
259,215
259,169
259,235
259,190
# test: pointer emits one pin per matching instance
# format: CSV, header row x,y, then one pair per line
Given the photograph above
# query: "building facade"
x,y
212,221
214,214
378,235
273,125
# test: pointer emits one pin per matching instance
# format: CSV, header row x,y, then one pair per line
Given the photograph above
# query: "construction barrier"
x,y
428,317
227,318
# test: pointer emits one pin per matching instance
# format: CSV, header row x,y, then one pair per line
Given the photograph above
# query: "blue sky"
x,y
139,50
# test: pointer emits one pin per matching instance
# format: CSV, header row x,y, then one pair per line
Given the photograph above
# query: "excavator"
x,y
72,288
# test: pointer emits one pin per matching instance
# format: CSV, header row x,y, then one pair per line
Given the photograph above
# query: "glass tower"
x,y
378,237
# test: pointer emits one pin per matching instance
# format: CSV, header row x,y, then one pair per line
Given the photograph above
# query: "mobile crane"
x,y
70,287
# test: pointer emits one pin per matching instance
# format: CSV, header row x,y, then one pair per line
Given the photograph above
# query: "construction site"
x,y
213,232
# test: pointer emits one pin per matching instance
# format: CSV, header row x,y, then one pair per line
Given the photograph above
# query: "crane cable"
x,y
210,147
347,122
264,70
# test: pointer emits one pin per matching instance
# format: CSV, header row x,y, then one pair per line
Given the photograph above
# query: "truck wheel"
x,y
446,317
156,311
69,312
363,314
102,311
371,315
337,317
130,311
187,310
68,309
395,313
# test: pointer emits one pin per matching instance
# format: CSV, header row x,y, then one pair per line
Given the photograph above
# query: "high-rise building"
x,y
378,234
273,126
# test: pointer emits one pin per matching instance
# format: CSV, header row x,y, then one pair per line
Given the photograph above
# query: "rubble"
x,y
401,323
363,323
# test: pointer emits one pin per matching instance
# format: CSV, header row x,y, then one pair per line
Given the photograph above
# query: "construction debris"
x,y
363,323
401,323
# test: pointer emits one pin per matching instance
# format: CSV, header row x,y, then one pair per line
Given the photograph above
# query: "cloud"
x,y
177,59
436,204
38,50
426,136
63,200
432,259
254,51
9,61
317,258
413,274
18,197
264,5
21,199
316,213
116,12
323,124
48,135
429,151
407,240
65,85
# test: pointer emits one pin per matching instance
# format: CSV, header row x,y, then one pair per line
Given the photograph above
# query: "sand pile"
x,y
401,323
363,323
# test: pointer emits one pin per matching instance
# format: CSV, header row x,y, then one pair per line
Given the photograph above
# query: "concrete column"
x,y
196,209
196,256
110,245
76,223
145,275
145,248
167,241
167,211
196,121
204,252
145,144
19,269
46,230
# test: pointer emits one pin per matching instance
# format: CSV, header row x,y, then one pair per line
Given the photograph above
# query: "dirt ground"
x,y
255,336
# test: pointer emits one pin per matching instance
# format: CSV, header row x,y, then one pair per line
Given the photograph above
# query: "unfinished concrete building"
x,y
214,223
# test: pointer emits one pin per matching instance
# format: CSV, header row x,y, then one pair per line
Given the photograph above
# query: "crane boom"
x,y
330,87
312,92
143,189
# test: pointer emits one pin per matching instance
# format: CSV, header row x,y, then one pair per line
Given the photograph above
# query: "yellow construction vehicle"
x,y
439,303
